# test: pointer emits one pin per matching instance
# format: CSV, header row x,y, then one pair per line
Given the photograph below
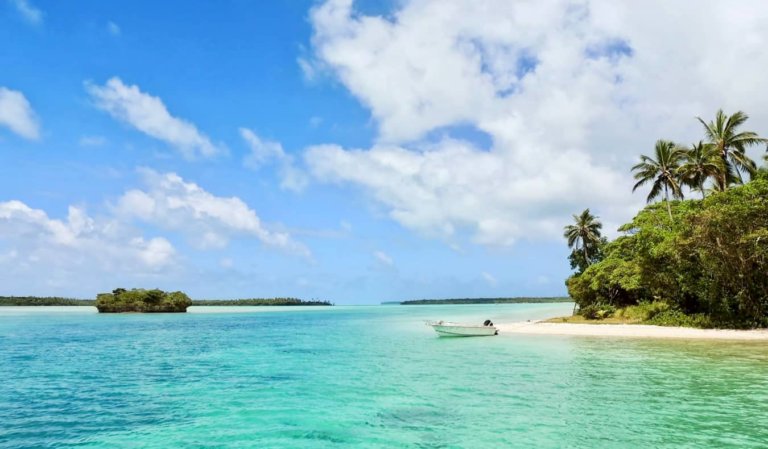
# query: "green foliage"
x,y
643,311
730,145
597,311
675,317
259,302
43,301
661,171
700,162
584,238
711,260
141,300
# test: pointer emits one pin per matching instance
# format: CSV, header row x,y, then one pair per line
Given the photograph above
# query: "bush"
x,y
597,311
674,317
140,300
643,311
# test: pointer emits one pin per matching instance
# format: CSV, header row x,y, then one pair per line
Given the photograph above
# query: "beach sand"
x,y
628,330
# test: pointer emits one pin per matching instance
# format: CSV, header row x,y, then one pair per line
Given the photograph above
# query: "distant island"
x,y
141,300
517,300
44,301
117,301
260,302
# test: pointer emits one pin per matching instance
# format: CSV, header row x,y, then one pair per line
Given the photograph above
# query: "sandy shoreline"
x,y
628,330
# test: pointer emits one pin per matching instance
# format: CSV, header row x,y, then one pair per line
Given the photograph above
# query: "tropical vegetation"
x,y
141,300
44,301
696,262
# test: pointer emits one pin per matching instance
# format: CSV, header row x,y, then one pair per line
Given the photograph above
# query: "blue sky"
x,y
359,153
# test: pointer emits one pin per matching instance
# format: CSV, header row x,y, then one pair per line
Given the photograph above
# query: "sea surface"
x,y
364,377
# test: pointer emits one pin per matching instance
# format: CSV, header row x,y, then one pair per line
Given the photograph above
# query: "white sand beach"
x,y
629,330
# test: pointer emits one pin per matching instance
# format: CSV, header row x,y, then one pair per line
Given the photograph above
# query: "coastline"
x,y
629,330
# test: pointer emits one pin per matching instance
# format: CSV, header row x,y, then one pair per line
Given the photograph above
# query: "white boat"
x,y
449,329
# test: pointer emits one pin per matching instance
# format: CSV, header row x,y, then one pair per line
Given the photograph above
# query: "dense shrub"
x,y
140,300
643,311
675,317
597,311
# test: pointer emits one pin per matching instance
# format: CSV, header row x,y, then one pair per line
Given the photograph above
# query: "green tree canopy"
x,y
584,237
731,145
661,171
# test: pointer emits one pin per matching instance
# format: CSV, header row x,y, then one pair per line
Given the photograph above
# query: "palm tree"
x,y
662,171
700,162
731,145
584,234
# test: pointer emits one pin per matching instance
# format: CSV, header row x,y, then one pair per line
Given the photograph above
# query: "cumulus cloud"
x,y
264,152
28,11
148,114
17,115
569,94
37,240
209,221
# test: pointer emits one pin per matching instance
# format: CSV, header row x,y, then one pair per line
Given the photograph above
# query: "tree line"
x,y
705,259
44,301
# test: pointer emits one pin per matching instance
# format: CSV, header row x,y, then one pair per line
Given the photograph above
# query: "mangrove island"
x,y
141,300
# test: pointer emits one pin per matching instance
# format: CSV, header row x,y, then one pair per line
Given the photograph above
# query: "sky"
x,y
356,152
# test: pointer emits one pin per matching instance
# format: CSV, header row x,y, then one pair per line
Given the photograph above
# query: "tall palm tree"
x,y
584,234
731,145
661,171
700,162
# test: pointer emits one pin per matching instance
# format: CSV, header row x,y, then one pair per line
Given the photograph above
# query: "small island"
x,y
142,301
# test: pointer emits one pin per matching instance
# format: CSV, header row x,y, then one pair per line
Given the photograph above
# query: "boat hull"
x,y
453,330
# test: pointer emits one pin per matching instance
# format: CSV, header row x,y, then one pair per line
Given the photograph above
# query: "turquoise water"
x,y
364,377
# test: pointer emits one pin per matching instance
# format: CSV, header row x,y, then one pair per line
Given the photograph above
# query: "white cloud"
x,y
383,258
489,279
113,28
79,240
569,93
149,115
209,221
264,152
28,11
16,113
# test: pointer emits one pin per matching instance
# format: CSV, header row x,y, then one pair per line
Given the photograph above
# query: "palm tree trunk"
x,y
666,200
701,187
724,175
586,258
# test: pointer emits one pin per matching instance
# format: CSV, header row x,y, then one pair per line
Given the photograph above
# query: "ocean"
x,y
364,377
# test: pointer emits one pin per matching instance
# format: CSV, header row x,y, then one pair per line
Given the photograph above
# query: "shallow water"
x,y
364,377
